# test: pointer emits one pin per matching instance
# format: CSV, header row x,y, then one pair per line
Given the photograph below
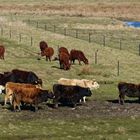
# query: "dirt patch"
x,y
99,109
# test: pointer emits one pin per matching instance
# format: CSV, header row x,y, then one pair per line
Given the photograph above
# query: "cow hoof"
x,y
73,108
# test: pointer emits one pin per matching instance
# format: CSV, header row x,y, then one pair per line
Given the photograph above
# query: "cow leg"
x,y
79,61
5,100
50,59
55,102
46,58
121,99
36,108
84,99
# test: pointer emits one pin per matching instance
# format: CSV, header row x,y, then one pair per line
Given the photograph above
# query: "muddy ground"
x,y
92,108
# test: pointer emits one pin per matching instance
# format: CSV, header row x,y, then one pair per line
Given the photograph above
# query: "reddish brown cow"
x,y
2,51
79,55
43,45
64,61
30,96
63,49
48,52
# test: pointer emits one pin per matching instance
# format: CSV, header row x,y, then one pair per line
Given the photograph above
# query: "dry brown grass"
x,y
116,10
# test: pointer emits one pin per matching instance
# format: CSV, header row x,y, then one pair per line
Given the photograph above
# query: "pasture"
x,y
101,117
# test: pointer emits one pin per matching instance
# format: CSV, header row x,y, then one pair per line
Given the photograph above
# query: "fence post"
x,y
19,37
118,68
58,49
10,33
31,41
76,33
45,27
120,44
54,28
37,24
139,49
96,56
89,38
104,41
28,21
1,31
65,31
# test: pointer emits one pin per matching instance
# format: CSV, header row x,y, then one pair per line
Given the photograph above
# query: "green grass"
x,y
90,128
63,123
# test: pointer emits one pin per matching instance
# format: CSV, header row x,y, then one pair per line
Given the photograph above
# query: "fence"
x,y
130,44
31,40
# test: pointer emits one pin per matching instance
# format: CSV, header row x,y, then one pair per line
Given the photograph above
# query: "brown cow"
x,y
64,61
2,51
48,52
11,87
30,96
79,55
63,49
43,45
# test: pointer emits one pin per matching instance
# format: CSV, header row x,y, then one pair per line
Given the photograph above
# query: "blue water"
x,y
135,24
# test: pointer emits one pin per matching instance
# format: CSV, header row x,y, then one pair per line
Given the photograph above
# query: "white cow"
x,y
92,84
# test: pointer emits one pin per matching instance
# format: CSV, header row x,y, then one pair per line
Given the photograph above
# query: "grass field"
x,y
101,118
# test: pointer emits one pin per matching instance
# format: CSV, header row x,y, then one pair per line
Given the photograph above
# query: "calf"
x,y
69,94
128,89
32,96
11,87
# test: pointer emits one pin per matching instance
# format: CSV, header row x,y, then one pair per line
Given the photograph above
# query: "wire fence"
x,y
32,40
129,44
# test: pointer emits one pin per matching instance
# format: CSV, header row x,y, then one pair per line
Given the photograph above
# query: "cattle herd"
x,y
23,88
64,57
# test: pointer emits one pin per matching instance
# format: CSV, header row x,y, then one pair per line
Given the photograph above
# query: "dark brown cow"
x,y
48,52
64,61
32,96
69,94
43,45
128,89
20,76
79,55
2,51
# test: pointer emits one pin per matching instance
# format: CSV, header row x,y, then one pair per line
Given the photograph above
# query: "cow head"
x,y
45,94
92,84
86,61
85,92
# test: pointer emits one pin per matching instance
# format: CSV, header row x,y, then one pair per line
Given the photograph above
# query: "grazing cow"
x,y
48,52
2,51
43,45
63,49
64,61
32,96
79,55
128,89
69,94
11,87
92,84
